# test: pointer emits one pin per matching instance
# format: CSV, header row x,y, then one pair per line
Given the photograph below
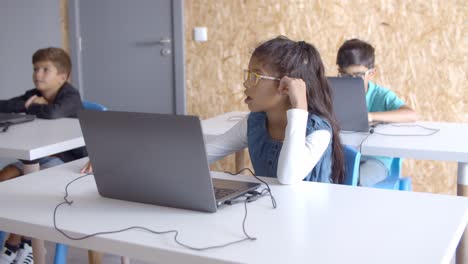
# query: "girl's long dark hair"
x,y
302,60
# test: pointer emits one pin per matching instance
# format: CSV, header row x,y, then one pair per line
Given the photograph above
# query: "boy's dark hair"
x,y
355,52
57,56
298,59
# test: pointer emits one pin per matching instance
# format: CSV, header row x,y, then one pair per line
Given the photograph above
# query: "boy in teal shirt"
x,y
356,59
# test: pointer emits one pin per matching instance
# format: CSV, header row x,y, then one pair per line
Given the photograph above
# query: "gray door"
x,y
129,54
25,26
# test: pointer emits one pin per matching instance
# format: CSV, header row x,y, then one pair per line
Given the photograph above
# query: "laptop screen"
x,y
349,103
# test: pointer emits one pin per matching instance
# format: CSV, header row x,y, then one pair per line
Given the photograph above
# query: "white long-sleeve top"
x,y
299,153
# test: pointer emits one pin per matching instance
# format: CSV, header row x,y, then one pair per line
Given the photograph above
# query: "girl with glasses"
x,y
291,133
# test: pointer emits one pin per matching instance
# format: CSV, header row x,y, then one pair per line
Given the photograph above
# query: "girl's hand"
x,y
87,168
296,90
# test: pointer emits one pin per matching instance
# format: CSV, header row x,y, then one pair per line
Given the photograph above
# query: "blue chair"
x,y
93,106
2,238
352,159
61,252
394,180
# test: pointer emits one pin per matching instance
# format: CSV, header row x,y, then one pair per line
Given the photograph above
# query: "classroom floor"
x,y
80,256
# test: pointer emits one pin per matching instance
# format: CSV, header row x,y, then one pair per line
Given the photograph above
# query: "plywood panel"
x,y
421,49
64,25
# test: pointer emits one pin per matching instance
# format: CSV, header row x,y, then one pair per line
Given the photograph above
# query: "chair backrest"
x,y
93,106
395,168
2,238
405,183
352,159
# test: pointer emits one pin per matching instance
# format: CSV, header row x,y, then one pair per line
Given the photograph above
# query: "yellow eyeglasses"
x,y
254,78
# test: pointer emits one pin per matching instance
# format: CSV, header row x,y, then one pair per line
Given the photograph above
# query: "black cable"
x,y
176,233
373,127
5,126
273,201
433,131
362,141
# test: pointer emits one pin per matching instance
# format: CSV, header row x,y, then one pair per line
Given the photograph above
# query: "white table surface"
x,y
449,144
41,138
314,223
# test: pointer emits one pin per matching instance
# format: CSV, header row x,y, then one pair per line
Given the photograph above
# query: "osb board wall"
x,y
64,25
421,48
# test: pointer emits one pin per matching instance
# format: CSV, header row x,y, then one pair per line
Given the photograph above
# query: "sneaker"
x,y
7,256
24,254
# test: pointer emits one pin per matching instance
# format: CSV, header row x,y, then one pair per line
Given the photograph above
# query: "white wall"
x,y
25,26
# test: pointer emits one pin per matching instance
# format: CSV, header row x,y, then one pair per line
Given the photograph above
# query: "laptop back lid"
x,y
149,158
349,103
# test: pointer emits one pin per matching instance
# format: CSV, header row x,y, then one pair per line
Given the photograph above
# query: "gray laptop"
x,y
14,118
154,158
349,103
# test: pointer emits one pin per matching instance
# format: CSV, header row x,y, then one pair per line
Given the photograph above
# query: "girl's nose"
x,y
245,85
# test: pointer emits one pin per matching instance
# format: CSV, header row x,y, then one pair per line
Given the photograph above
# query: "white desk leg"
x,y
462,250
39,251
125,260
94,257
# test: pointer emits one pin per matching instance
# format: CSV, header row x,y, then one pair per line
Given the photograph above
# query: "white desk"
x,y
38,139
218,125
314,223
449,144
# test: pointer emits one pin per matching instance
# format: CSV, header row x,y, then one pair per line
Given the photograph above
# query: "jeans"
x,y
372,171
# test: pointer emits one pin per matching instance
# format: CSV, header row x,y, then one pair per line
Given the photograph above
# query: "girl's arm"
x,y
232,141
299,153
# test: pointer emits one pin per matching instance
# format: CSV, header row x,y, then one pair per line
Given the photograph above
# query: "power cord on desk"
x,y
433,131
373,127
371,131
264,192
5,126
176,233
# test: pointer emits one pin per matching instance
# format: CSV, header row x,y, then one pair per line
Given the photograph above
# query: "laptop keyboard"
x,y
221,193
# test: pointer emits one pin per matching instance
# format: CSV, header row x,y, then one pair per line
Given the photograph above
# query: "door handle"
x,y
164,41
161,42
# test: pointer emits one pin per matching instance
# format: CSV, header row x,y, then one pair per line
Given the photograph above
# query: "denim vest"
x,y
264,151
